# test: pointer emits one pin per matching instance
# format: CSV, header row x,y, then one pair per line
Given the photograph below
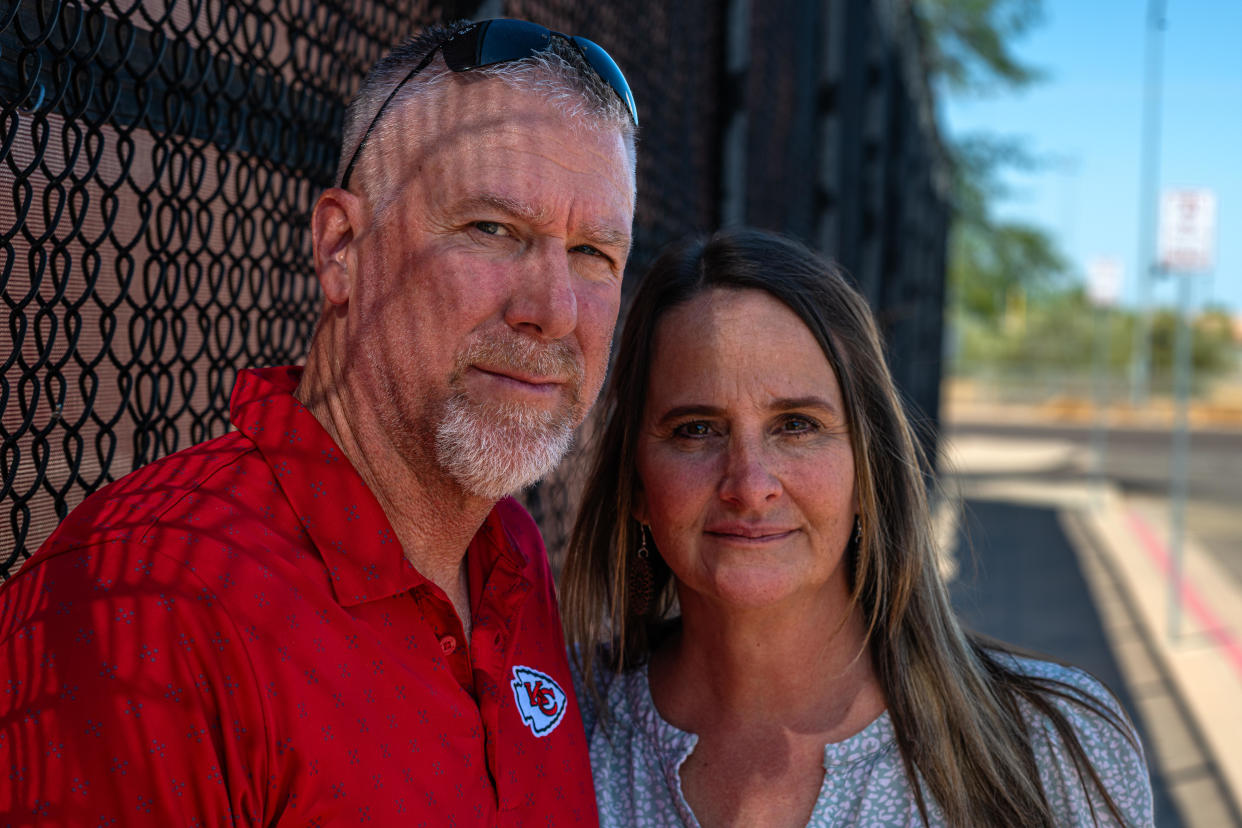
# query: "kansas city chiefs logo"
x,y
540,700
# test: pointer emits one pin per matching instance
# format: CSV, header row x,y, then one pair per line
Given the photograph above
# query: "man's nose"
x,y
543,302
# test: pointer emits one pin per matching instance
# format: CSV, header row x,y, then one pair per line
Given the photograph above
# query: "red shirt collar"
x,y
339,514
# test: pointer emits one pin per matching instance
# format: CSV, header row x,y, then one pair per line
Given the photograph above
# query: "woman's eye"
x,y
693,430
798,425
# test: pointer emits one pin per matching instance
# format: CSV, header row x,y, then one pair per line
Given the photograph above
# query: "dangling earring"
x,y
639,576
857,532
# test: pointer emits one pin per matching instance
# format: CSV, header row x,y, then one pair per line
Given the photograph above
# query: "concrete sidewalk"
x,y
1070,568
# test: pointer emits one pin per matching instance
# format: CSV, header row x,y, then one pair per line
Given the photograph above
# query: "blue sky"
x,y
1085,117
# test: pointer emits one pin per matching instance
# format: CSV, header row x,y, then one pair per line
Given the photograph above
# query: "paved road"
x,y
1022,583
1039,564
1138,461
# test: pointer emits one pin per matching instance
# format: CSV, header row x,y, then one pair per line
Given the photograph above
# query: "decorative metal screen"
x,y
159,160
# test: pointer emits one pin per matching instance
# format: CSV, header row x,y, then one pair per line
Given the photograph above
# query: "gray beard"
x,y
495,450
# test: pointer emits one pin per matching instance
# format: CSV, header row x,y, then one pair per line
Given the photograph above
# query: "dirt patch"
x,y
971,401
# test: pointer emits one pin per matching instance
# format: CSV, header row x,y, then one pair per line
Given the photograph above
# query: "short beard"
x,y
494,449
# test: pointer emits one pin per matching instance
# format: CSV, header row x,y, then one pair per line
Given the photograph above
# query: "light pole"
x,y
1149,174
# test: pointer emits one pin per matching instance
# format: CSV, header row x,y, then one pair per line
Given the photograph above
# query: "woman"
x,y
756,471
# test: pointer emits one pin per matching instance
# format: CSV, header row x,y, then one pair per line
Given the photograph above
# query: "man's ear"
x,y
335,222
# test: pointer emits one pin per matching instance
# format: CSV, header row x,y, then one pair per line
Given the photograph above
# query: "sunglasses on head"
x,y
489,42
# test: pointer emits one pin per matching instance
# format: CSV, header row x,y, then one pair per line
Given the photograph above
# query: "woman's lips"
x,y
747,533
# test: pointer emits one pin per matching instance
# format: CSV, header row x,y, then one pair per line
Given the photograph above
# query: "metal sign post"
x,y
1179,459
1187,246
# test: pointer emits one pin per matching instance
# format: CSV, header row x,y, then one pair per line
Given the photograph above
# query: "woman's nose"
x,y
749,481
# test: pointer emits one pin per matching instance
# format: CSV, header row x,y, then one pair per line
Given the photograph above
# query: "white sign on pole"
x,y
1104,280
1187,240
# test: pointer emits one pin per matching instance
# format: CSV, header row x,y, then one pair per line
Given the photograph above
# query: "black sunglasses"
x,y
499,41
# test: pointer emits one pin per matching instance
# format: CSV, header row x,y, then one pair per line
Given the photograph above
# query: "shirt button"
x,y
448,644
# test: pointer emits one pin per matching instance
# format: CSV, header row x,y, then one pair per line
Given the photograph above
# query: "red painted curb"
x,y
1191,599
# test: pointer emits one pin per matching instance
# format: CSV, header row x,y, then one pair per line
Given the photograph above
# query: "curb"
x,y
1204,663
1188,692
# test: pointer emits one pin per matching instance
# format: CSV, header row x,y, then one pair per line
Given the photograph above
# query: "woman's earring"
x,y
639,576
857,532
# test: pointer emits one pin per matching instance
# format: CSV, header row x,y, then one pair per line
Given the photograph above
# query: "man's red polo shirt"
x,y
232,636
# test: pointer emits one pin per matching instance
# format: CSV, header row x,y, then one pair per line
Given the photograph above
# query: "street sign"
x,y
1187,240
1104,280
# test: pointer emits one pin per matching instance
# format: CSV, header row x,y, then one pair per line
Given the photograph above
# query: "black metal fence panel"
x,y
159,160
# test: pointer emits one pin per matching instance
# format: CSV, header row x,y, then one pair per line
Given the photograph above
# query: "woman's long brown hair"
x,y
955,704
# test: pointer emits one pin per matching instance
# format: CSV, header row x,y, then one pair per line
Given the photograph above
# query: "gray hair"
x,y
558,75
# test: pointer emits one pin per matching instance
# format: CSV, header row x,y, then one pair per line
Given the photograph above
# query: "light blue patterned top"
x,y
637,761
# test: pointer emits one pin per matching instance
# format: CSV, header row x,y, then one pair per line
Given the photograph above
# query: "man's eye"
x,y
587,249
491,228
693,430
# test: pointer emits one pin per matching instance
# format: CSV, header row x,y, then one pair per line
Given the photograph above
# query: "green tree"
x,y
1211,350
1012,301
995,267
968,42
1059,333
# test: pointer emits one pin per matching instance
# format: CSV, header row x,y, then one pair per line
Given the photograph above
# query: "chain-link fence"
x,y
159,159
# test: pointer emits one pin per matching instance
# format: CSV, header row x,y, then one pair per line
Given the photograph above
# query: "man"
x,y
326,617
